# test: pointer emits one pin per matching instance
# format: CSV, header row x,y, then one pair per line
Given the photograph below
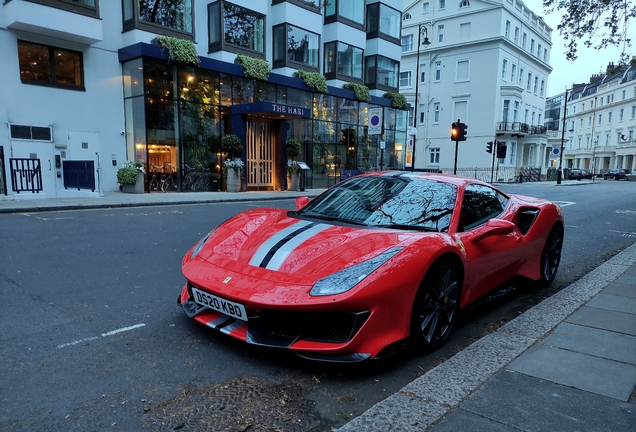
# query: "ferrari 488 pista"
x,y
377,262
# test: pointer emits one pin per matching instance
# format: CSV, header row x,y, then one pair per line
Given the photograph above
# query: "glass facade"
x,y
295,47
176,115
164,17
343,61
235,26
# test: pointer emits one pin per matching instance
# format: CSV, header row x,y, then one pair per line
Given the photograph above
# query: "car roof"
x,y
456,180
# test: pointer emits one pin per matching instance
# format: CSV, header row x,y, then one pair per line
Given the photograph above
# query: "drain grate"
x,y
243,404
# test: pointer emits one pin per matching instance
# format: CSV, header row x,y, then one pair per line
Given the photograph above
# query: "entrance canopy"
x,y
272,110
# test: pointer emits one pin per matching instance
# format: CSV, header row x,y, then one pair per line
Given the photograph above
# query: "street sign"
x,y
375,121
555,151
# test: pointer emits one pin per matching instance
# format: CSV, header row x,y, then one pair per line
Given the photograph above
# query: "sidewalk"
x,y
567,364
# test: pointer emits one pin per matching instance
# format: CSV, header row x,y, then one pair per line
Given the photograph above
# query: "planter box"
x,y
137,188
233,181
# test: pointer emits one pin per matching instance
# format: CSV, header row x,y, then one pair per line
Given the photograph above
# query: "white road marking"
x,y
110,333
565,203
626,211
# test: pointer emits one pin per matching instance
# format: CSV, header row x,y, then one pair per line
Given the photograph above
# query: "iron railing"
x,y
26,175
518,127
79,174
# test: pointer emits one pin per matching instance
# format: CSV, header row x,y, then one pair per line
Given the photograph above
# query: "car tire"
x,y
551,255
436,306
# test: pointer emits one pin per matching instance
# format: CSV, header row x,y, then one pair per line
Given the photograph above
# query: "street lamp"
x,y
422,29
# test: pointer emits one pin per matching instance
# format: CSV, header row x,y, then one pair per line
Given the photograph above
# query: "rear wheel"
x,y
436,306
551,255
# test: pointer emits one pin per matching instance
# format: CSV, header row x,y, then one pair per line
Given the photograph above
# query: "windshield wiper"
x,y
332,218
407,227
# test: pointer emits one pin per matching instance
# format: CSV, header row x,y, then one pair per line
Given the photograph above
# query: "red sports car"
x,y
377,262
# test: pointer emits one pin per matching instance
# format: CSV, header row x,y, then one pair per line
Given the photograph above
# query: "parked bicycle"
x,y
201,178
167,180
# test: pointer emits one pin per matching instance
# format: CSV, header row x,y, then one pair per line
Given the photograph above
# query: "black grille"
x,y
334,327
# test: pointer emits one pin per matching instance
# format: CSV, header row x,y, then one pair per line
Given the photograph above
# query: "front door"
x,y
260,140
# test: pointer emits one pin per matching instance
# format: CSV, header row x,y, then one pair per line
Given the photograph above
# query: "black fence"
x,y
79,174
3,174
26,175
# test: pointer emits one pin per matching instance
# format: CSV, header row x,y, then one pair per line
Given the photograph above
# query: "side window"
x,y
480,204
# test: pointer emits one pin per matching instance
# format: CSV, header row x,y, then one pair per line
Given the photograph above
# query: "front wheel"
x,y
436,306
551,255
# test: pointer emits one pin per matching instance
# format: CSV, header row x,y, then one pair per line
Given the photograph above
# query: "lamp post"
x,y
422,29
560,170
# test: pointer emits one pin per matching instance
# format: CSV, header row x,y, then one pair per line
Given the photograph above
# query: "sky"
x,y
590,61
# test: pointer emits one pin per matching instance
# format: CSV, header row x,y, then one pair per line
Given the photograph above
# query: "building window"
x,y
620,114
609,117
634,111
436,113
434,156
381,73
545,55
600,118
521,77
504,69
464,3
529,81
438,71
507,33
172,18
543,91
406,17
343,61
462,71
440,33
383,22
624,94
589,122
515,112
516,35
50,66
422,112
538,50
506,108
536,85
407,43
513,73
82,7
422,73
442,4
532,46
581,124
295,47
236,27
425,8
523,40
345,10
405,79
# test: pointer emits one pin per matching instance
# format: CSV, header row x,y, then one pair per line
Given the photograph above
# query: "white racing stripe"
x,y
281,254
273,240
110,333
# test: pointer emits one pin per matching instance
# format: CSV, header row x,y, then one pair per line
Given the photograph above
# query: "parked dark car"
x,y
578,174
616,174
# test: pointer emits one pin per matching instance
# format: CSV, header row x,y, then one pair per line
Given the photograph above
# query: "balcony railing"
x,y
520,128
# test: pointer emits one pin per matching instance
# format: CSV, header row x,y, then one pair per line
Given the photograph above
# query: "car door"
x,y
491,260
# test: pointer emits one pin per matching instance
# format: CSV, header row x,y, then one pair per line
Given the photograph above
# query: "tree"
x,y
585,20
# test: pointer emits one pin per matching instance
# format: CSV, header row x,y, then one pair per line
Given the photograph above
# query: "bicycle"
x,y
154,184
167,180
200,179
187,181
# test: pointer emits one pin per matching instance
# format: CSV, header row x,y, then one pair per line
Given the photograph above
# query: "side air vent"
x,y
526,218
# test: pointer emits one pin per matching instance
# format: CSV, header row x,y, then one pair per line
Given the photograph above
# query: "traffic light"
x,y
489,147
501,150
455,129
462,132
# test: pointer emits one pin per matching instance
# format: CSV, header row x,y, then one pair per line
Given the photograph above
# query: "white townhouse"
x,y
86,86
485,63
600,121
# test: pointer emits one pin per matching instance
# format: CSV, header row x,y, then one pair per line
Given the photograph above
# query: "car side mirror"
x,y
494,227
301,202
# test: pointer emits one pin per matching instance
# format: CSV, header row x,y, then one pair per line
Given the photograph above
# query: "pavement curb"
x,y
425,401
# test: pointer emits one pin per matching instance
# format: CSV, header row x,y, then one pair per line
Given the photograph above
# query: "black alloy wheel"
x,y
551,255
436,306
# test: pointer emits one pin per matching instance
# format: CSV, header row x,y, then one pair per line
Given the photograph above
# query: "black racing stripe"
x,y
280,244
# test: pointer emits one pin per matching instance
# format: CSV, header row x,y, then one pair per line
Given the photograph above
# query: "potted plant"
x,y
293,176
233,173
231,144
131,177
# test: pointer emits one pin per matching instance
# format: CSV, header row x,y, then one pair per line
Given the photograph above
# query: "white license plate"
x,y
226,307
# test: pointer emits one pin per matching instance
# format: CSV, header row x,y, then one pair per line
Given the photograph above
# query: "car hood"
x,y
268,244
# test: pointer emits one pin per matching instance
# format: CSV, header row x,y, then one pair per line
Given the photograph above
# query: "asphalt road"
x,y
92,338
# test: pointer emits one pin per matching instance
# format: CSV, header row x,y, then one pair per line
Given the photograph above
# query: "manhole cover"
x,y
243,404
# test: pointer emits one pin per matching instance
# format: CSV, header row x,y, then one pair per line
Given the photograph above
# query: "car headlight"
x,y
200,245
346,279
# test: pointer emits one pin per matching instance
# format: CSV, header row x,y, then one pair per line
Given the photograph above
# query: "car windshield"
x,y
387,201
